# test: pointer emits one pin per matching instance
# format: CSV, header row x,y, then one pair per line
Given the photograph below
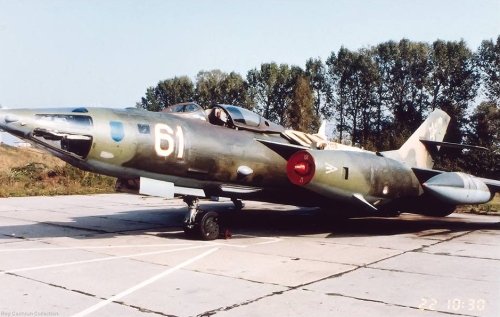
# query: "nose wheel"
x,y
200,224
206,226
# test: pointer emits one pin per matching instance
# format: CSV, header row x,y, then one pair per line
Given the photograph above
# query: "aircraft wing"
x,y
284,149
423,174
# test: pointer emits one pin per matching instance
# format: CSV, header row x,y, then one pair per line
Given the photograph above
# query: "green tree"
x,y
283,93
453,84
150,101
337,89
301,114
207,91
316,73
218,87
270,88
484,131
488,57
352,77
235,91
261,87
383,58
403,68
167,93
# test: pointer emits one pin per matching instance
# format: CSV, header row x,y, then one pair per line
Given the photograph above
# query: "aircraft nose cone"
x,y
6,118
2,120
11,121
10,118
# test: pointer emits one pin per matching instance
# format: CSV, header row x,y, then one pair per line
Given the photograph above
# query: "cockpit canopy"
x,y
188,109
227,116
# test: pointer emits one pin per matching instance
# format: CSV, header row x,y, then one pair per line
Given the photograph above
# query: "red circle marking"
x,y
300,168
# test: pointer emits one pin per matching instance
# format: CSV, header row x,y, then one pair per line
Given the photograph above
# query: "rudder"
x,y
413,152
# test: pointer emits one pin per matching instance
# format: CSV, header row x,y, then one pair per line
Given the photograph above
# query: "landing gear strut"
x,y
189,220
200,224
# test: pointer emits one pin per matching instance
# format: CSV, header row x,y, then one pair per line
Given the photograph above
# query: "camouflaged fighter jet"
x,y
228,151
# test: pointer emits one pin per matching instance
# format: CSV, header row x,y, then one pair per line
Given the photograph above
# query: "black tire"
x,y
209,228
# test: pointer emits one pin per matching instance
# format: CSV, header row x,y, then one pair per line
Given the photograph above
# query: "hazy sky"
x,y
106,53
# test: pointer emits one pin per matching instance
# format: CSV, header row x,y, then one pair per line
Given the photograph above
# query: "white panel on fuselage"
x,y
153,187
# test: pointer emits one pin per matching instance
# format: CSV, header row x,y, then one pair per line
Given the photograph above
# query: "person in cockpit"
x,y
218,117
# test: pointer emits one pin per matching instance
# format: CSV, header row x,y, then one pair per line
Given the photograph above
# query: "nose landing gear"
x,y
208,223
200,224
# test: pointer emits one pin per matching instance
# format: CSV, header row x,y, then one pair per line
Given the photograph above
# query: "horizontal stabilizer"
x,y
430,143
284,149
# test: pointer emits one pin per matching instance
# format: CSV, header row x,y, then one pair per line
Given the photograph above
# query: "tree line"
x,y
375,97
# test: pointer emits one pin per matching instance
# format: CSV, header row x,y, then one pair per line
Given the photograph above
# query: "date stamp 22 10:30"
x,y
453,304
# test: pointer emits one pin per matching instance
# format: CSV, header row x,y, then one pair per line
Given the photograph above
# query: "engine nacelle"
x,y
347,175
458,189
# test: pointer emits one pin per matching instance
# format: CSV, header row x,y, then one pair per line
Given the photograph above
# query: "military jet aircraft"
x,y
228,151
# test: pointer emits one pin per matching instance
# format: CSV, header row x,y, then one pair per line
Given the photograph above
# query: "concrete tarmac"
x,y
125,255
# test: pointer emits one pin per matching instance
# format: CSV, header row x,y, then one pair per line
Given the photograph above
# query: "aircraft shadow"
x,y
275,221
319,222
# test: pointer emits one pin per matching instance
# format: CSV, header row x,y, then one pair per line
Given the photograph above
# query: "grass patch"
x,y
37,179
11,157
22,174
491,207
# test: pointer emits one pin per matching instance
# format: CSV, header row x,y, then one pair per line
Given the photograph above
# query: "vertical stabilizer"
x,y
322,131
414,153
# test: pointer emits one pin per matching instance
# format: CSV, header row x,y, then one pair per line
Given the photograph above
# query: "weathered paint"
x,y
192,153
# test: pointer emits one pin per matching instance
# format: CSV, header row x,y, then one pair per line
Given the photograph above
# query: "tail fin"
x,y
414,152
322,130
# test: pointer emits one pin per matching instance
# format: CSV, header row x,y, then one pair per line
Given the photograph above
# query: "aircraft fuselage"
x,y
132,143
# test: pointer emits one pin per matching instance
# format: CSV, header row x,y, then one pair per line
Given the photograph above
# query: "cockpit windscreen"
x,y
244,116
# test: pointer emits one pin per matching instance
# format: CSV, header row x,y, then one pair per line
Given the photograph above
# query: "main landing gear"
x,y
204,225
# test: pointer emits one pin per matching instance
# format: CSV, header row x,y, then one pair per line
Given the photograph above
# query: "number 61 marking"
x,y
165,139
